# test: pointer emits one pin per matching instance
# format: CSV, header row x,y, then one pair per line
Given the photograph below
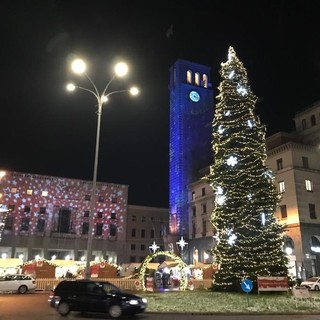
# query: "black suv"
x,y
95,296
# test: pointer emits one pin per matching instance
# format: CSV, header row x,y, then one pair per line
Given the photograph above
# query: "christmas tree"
x,y
249,238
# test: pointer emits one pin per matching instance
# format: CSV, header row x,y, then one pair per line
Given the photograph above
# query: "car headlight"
x,y
144,300
133,302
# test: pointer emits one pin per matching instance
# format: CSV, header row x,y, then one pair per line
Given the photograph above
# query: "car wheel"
x,y
316,288
22,289
63,308
115,311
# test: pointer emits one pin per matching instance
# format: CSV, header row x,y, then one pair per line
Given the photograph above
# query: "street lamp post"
x,y
78,66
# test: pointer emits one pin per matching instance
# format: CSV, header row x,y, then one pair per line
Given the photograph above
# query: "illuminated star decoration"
x,y
182,243
232,161
154,247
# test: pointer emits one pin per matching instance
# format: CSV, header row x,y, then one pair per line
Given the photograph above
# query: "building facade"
x,y
191,114
294,158
49,217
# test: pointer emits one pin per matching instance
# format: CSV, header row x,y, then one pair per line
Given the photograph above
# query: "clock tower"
x,y
191,115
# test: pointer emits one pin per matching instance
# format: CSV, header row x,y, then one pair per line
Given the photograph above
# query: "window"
x,y
86,214
29,192
44,193
194,211
134,218
113,215
99,229
197,78
87,197
279,164
283,210
282,186
189,76
13,190
133,233
132,259
152,233
25,224
204,208
152,219
309,185
8,223
85,227
193,229
99,214
101,199
26,209
40,225
205,80
305,162
143,233
193,195
204,227
304,124
313,120
133,247
42,210
143,219
143,247
113,230
312,211
203,191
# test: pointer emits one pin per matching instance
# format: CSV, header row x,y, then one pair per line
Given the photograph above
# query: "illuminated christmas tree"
x,y
249,239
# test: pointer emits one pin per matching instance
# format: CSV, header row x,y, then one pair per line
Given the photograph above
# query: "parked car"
x,y
94,296
20,283
311,283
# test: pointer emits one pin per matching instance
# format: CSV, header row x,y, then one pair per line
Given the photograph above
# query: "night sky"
x,y
46,130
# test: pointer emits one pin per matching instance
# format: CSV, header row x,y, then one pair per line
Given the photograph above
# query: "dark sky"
x,y
48,131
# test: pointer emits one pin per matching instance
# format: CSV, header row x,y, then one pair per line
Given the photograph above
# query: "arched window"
x,y
304,124
313,120
205,80
197,78
189,76
315,243
288,245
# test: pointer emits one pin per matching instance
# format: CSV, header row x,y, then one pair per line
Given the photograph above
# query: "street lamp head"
x,y
134,91
71,87
78,66
2,174
121,69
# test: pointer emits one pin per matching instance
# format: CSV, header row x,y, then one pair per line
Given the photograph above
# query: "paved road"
x,y
34,306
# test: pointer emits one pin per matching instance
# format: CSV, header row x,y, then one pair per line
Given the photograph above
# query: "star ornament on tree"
x,y
232,161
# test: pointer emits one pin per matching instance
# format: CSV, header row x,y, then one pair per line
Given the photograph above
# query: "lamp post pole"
x,y
78,66
93,194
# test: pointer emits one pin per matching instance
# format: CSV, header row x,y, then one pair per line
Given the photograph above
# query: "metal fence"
x,y
47,284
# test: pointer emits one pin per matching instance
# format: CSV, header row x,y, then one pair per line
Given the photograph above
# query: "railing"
x,y
47,284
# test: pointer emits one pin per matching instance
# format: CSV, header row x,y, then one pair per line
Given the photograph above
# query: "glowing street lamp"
x,y
78,66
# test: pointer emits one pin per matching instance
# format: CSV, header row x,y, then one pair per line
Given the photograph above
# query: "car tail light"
x,y
34,281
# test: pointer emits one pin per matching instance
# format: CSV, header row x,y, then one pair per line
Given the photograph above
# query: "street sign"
x,y
246,285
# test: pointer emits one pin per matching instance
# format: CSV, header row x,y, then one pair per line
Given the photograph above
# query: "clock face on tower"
x,y
194,96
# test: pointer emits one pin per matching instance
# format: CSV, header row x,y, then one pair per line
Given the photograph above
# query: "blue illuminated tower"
x,y
191,115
